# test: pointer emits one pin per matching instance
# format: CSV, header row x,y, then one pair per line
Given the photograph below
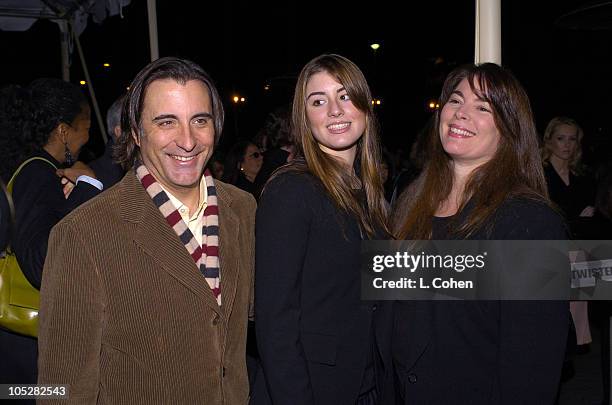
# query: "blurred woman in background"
x,y
574,193
49,120
242,163
568,185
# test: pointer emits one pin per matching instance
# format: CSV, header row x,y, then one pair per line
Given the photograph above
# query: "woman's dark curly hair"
x,y
29,115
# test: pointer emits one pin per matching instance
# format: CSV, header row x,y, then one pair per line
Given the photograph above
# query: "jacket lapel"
x,y
158,240
229,229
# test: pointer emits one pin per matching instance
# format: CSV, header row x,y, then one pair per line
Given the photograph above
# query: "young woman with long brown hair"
x,y
483,180
314,333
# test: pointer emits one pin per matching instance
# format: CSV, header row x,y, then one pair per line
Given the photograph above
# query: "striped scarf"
x,y
206,256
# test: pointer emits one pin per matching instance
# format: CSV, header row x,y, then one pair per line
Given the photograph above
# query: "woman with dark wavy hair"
x,y
49,120
314,334
483,181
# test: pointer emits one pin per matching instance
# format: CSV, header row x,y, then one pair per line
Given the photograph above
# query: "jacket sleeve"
x,y
71,317
81,193
533,334
282,230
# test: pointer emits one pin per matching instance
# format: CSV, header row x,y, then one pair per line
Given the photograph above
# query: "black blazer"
x,y
313,331
479,352
39,205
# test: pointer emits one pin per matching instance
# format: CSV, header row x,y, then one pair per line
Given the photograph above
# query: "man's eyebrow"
x,y
320,93
174,117
202,115
164,117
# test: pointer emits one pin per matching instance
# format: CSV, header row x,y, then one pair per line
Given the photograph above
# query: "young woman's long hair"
x,y
514,170
335,178
575,164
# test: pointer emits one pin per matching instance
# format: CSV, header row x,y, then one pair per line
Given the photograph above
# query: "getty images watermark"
x,y
486,270
418,262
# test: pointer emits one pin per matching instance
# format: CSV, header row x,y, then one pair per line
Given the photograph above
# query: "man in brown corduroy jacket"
x,y
146,290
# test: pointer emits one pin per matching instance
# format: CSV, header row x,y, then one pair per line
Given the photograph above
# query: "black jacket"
x,y
39,205
313,331
478,352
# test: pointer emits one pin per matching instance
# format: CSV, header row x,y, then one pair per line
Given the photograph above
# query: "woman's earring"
x,y
68,155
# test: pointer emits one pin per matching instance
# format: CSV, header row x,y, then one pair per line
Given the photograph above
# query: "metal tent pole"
x,y
152,13
63,26
487,43
91,89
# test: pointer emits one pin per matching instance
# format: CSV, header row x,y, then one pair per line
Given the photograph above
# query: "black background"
x,y
247,45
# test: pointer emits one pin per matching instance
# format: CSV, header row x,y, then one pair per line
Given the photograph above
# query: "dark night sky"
x,y
245,45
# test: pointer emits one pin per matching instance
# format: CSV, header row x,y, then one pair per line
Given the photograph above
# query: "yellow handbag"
x,y
19,300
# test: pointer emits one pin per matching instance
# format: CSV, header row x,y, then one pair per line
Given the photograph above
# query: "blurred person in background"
x,y
277,143
216,166
49,119
241,165
568,184
573,191
107,170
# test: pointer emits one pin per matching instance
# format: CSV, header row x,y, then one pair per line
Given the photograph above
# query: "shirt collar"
x,y
182,208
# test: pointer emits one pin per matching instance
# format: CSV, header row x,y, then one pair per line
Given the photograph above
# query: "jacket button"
x,y
374,307
215,320
412,378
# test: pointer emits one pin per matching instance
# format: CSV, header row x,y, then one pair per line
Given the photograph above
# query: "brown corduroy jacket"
x,y
127,318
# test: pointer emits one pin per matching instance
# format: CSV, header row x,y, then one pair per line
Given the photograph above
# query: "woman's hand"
x,y
588,211
68,186
71,174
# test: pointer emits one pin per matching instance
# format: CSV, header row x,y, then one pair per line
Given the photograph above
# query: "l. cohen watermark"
x,y
479,270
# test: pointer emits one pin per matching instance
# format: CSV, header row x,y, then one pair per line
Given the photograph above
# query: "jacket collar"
x,y
152,234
